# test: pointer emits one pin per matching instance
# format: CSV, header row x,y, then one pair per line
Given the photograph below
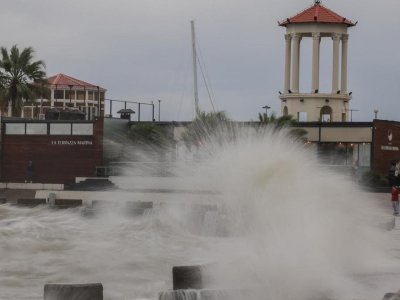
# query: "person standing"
x,y
29,172
395,200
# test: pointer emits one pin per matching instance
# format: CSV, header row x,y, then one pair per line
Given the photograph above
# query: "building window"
x,y
362,154
90,95
80,95
285,111
82,129
36,128
60,129
59,94
326,114
70,93
15,128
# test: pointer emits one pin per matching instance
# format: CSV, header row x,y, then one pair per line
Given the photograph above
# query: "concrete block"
x,y
180,295
31,202
232,294
210,294
187,277
91,291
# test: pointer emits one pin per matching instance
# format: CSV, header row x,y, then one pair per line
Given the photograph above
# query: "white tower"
x,y
316,22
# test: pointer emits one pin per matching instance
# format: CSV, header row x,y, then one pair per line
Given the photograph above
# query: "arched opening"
x,y
326,114
285,111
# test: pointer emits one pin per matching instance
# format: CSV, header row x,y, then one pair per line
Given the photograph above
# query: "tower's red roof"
x,y
317,14
67,81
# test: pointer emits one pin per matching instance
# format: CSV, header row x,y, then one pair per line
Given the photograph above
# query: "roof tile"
x,y
317,14
65,80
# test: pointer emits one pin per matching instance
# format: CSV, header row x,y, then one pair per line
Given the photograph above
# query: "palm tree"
x,y
208,126
285,121
20,78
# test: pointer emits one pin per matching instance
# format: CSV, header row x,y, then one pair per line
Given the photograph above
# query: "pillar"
x,y
335,64
296,62
86,97
343,85
288,39
315,61
52,98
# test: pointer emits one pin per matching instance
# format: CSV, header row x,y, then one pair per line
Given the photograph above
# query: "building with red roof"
x,y
319,14
319,23
67,92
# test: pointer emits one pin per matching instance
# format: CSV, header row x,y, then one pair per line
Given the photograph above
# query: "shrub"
x,y
374,179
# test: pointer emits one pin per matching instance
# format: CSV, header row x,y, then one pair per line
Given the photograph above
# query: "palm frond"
x,y
20,77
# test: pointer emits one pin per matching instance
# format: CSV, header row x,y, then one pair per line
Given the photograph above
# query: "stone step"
x,y
67,203
31,202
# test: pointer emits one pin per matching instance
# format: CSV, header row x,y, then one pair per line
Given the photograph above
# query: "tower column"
x,y
315,61
296,62
345,39
335,65
288,39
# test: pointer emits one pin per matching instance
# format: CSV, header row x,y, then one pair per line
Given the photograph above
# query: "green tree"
x,y
150,135
20,77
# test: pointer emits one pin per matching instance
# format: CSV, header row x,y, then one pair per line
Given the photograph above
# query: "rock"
x,y
91,291
187,277
392,296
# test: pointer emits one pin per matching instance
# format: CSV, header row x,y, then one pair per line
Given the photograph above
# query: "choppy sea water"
x,y
132,256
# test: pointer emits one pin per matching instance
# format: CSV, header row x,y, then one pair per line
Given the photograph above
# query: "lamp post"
x,y
376,113
159,109
351,113
152,112
266,107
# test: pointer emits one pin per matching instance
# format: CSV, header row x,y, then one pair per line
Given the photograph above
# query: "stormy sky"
x,y
140,50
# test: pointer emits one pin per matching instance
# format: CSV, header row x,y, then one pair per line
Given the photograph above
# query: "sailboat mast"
x,y
196,94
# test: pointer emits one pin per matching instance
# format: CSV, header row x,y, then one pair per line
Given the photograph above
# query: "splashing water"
x,y
288,229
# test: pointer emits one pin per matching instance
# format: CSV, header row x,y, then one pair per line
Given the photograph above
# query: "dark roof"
x,y
125,111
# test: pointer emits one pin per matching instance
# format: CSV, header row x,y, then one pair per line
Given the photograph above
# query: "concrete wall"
x,y
56,158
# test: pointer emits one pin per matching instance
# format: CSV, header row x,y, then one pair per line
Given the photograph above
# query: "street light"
x,y
159,109
376,113
266,107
